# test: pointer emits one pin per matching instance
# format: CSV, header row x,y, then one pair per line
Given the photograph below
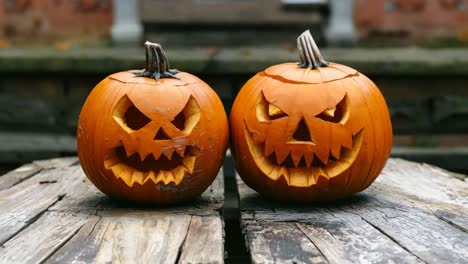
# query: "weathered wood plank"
x,y
129,238
424,181
423,234
339,236
280,243
204,242
28,170
81,194
22,203
18,175
109,231
392,222
57,163
427,187
39,240
346,238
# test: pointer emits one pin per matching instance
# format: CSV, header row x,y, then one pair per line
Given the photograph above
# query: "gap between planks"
x,y
408,220
81,199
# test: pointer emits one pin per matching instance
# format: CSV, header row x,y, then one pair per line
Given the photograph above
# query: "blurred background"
x,y
53,52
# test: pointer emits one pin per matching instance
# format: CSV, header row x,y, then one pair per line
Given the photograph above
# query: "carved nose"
x,y
161,135
302,133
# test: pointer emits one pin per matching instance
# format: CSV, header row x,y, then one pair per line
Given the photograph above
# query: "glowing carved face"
x,y
157,148
302,141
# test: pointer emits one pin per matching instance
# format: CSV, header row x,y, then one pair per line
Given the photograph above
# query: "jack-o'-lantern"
x,y
310,131
155,136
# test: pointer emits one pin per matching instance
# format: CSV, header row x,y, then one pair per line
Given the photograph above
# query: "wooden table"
x,y
50,212
413,213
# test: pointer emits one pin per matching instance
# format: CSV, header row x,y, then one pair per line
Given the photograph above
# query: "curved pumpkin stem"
x,y
157,65
309,52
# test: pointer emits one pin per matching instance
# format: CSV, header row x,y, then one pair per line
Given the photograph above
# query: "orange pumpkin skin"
x,y
310,134
153,141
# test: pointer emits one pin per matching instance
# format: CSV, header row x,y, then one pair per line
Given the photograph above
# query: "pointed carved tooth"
x,y
168,177
129,152
347,142
322,181
168,153
108,163
180,151
322,156
269,148
157,153
296,159
160,177
281,156
150,177
284,172
329,112
324,172
142,155
309,157
262,150
189,163
178,174
116,170
138,177
126,174
335,151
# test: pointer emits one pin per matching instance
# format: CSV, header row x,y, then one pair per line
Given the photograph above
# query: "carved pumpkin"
x,y
313,131
156,136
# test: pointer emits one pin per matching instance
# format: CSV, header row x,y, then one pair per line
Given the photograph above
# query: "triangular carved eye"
x,y
128,116
267,111
188,118
275,112
337,114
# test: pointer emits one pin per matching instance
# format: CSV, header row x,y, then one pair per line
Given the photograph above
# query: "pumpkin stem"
x,y
309,52
157,65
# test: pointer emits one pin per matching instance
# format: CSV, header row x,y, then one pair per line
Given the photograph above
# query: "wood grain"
x,y
21,204
138,238
281,242
204,242
57,207
413,214
28,170
18,175
39,240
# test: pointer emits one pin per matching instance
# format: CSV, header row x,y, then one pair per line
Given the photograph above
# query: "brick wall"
x,y
413,20
38,22
35,22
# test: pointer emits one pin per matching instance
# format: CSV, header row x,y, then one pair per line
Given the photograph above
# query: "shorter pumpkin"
x,y
156,136
310,131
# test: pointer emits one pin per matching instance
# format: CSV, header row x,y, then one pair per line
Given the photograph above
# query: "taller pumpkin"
x,y
155,136
310,131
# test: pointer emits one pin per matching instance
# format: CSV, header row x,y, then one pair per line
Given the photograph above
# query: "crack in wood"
x,y
181,246
299,226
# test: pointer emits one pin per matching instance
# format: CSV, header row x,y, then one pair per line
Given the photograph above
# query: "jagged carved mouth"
x,y
164,168
302,173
